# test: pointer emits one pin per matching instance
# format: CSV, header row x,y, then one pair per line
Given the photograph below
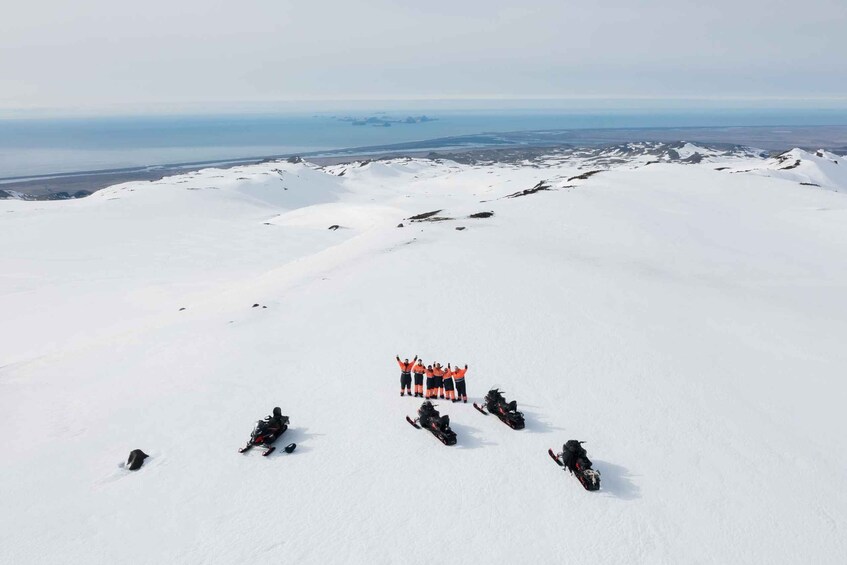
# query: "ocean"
x,y
43,147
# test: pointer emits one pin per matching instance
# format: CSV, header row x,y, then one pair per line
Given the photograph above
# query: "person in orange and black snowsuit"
x,y
430,379
406,374
459,379
448,385
438,384
419,371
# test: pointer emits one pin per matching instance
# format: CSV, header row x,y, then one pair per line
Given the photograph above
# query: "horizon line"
x,y
319,104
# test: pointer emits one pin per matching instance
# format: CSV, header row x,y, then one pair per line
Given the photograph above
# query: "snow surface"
x,y
687,322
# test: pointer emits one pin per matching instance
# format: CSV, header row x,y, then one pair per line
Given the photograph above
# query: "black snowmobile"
x,y
430,419
267,431
575,459
496,404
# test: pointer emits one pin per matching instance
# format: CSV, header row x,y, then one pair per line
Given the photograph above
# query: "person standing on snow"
x,y
448,385
438,372
430,380
419,371
459,378
406,374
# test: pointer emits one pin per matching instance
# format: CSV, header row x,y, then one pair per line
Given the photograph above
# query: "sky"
x,y
107,56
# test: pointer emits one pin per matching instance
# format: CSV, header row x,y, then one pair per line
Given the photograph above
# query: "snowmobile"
x,y
267,431
575,459
438,425
496,404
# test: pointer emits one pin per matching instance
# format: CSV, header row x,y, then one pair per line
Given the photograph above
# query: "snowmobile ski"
x,y
412,422
269,449
475,405
555,457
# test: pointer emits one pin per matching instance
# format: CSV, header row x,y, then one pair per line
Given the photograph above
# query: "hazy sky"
x,y
107,54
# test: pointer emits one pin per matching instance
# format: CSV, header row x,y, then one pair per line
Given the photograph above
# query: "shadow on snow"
x,y
468,437
617,481
534,423
297,435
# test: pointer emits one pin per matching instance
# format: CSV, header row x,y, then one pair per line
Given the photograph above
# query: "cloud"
x,y
96,53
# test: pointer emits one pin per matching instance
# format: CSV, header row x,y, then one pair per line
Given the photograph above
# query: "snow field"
x,y
687,323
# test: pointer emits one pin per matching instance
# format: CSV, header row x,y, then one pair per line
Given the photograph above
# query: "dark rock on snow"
x,y
424,216
584,176
538,187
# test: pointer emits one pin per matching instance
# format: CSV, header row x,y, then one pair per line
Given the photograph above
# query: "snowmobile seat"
x,y
583,463
573,446
444,423
511,406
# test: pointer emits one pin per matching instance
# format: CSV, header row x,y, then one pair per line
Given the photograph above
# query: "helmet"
x,y
277,412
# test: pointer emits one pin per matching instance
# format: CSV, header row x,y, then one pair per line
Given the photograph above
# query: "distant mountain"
x,y
15,195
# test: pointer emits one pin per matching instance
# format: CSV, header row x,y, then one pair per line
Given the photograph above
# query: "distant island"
x,y
384,121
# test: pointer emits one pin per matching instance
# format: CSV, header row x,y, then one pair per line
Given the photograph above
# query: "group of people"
x,y
447,383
